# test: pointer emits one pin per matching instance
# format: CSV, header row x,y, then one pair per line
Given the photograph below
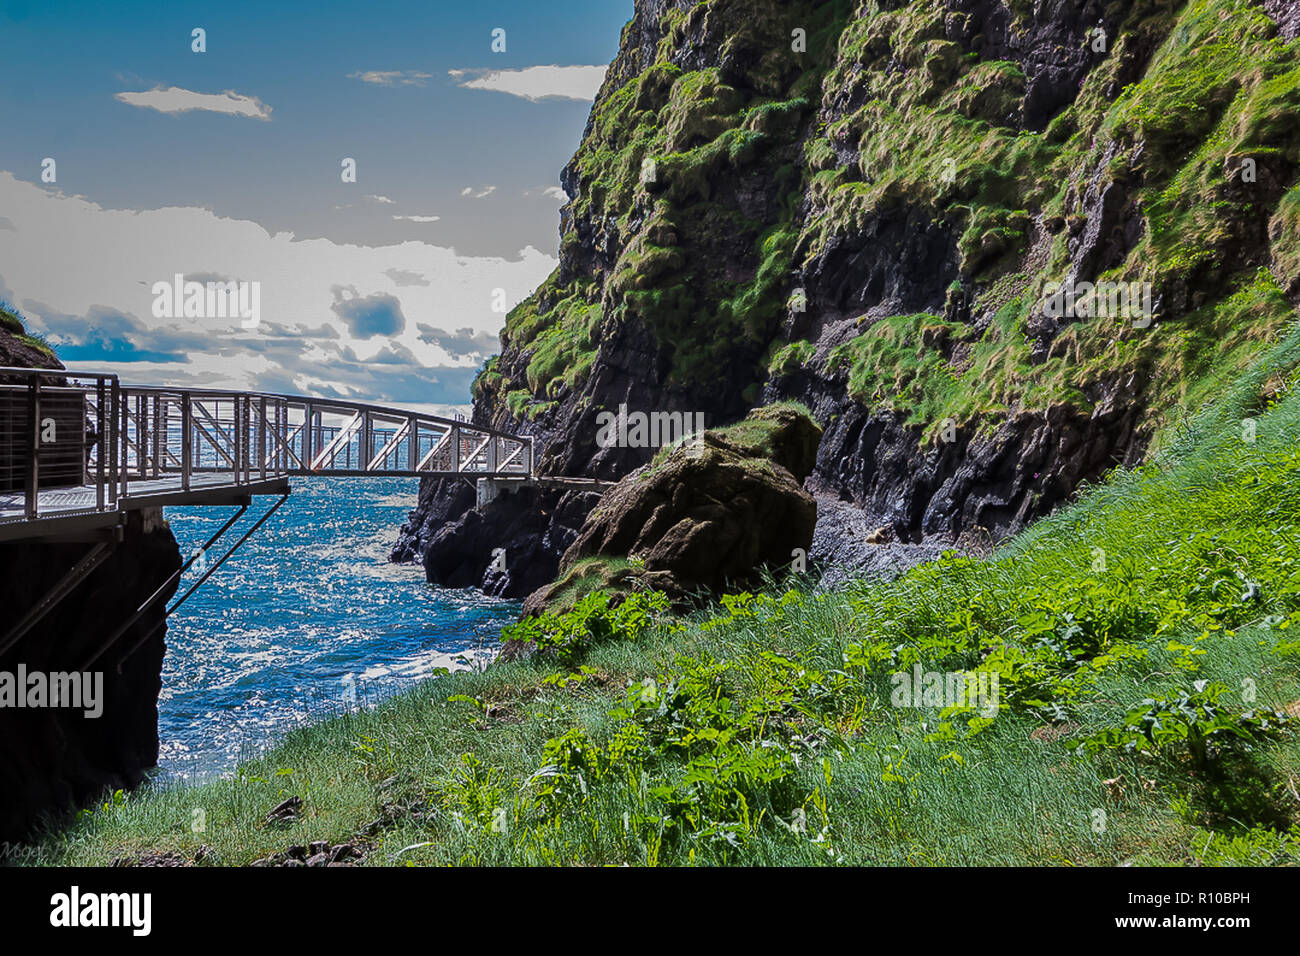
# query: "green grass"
x,y
11,321
893,364
764,732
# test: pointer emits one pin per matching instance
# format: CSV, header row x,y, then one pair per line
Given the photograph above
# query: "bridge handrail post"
x,y
117,442
282,430
186,440
141,436
307,443
159,428
366,449
101,454
32,498
261,437
241,440
235,444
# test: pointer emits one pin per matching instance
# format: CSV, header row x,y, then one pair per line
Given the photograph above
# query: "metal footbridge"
x,y
79,453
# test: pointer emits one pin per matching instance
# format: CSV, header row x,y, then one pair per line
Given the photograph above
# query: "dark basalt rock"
x,y
993,483
903,259
510,546
55,760
1030,465
439,501
1046,45
1286,13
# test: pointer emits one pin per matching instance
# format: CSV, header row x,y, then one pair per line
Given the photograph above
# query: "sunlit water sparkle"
x,y
306,619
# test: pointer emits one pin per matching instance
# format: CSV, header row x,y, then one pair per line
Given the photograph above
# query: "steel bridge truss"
x,y
78,444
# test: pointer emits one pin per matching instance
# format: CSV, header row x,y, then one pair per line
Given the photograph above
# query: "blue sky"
x,y
457,155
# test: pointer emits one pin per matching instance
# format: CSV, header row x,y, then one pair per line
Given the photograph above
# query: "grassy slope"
x,y
779,710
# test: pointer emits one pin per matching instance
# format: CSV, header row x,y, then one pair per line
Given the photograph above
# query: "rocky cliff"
x,y
996,246
52,760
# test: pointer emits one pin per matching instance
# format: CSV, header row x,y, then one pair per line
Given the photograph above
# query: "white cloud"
x,y
536,82
417,218
302,345
556,192
406,277
391,77
473,193
383,199
176,100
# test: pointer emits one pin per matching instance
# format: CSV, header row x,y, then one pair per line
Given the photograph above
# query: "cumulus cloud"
x,y
556,192
370,315
176,100
382,199
462,342
417,218
108,334
535,83
390,77
337,320
473,193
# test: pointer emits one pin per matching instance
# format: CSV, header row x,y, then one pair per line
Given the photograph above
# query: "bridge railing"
x,y
194,437
251,435
67,430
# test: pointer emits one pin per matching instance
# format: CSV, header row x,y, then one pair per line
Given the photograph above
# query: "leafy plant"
x,y
1191,720
592,621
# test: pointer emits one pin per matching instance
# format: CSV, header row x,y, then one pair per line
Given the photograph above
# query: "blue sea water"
x,y
307,619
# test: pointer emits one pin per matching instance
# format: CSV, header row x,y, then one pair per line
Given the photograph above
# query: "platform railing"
x,y
58,430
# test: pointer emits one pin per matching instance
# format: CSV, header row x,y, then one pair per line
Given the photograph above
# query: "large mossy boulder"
x,y
704,517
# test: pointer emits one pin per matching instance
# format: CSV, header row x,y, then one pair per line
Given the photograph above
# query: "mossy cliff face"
x,y
868,215
677,244
970,156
